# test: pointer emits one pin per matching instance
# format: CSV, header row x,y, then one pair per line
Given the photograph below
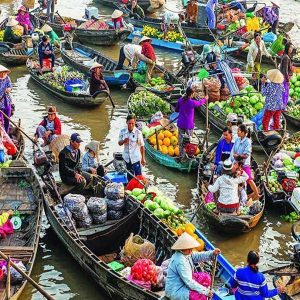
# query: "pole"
x,y
213,273
111,100
8,278
28,278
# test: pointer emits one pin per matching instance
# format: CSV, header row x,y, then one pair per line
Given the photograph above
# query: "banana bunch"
x,y
174,36
1,35
150,31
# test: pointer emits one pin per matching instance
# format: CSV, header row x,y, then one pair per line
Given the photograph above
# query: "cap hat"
x,y
94,146
75,137
185,242
232,117
227,165
22,8
52,110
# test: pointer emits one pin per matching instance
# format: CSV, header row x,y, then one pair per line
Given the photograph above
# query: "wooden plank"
x,y
15,248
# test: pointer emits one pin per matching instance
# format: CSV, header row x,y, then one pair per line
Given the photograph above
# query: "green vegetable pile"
x,y
294,111
248,105
211,206
5,164
291,218
145,104
295,86
58,79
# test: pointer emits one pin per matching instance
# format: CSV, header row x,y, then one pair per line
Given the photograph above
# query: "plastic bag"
x,y
144,270
99,218
74,202
205,280
97,205
143,284
115,204
15,276
84,220
142,67
115,214
65,215
114,191
135,248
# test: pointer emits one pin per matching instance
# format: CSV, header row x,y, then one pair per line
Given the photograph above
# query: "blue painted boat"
x,y
173,46
81,57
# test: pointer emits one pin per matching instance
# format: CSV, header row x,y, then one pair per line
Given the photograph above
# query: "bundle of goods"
x,y
156,83
248,105
171,35
114,193
63,78
295,86
15,276
294,111
277,47
76,205
67,20
212,86
136,248
65,215
241,81
98,209
94,25
144,104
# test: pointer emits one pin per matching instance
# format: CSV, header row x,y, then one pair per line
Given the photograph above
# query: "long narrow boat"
x,y
21,190
98,245
83,99
226,222
292,120
80,55
18,139
15,54
103,37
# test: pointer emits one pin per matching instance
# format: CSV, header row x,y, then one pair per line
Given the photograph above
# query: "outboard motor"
x,y
119,163
188,57
190,145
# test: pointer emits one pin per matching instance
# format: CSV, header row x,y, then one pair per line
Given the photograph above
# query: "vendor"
x,y
9,34
192,12
24,19
53,37
228,185
223,150
45,51
179,281
273,91
136,11
97,82
211,15
147,55
128,51
117,19
256,50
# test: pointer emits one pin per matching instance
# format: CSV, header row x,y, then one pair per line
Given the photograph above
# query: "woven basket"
x,y
58,144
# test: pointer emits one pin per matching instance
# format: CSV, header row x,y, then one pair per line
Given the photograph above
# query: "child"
x,y
89,163
243,194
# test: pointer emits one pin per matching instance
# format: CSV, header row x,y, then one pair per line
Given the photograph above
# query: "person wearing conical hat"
x,y
273,91
54,39
9,35
180,282
5,99
50,127
24,19
117,19
90,159
97,82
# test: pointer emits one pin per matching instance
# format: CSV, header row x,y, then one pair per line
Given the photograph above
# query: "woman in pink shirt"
x,y
24,19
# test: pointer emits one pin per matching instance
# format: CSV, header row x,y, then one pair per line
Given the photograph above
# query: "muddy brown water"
x,y
55,269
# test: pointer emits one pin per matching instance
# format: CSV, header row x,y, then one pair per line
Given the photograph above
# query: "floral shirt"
x,y
4,84
273,93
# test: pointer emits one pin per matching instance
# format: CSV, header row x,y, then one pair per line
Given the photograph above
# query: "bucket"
x,y
47,63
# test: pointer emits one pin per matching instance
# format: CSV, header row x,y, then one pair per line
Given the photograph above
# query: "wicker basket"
x,y
58,144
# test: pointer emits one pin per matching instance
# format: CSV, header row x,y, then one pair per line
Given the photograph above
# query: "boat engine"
x,y
190,145
188,57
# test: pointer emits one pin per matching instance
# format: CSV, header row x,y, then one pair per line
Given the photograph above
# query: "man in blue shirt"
x,y
45,50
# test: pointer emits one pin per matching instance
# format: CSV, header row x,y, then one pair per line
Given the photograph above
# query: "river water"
x,y
55,269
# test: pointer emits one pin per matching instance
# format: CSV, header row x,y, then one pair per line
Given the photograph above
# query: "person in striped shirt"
x,y
250,283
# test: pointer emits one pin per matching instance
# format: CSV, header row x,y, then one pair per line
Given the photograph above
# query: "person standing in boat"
x,y
117,19
242,149
273,91
210,11
256,51
97,82
128,52
147,55
24,19
286,68
50,4
192,12
136,11
180,282
223,150
70,170
45,51
9,35
186,109
5,99
250,283
228,186
134,148
50,127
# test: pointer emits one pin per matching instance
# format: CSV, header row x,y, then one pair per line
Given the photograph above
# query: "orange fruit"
x,y
202,245
160,142
197,151
152,140
171,150
174,140
179,231
166,142
176,151
164,149
190,226
167,134
160,136
189,231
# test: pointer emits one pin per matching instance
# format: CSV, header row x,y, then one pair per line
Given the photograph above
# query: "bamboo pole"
x,y
8,279
28,278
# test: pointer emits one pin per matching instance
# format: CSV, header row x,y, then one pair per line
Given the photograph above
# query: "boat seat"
x,y
96,228
64,189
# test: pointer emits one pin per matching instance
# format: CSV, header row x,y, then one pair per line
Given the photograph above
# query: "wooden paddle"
x,y
213,273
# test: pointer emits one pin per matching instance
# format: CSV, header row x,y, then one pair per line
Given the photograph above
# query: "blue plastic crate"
x,y
116,177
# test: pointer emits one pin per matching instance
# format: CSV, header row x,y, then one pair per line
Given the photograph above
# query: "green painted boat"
x,y
170,162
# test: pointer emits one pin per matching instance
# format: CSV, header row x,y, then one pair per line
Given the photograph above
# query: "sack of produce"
x,y
115,214
83,218
115,204
213,96
144,270
15,276
224,93
255,208
74,202
114,191
197,86
212,84
97,205
135,248
99,218
65,215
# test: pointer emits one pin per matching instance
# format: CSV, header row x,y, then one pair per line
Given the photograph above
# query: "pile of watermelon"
x,y
144,270
295,86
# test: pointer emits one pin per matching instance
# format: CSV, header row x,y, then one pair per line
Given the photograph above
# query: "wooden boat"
x,y
260,140
80,54
83,99
21,190
292,120
98,245
16,135
226,222
104,37
144,4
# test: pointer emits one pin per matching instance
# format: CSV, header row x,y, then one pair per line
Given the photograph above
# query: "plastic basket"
x,y
73,85
116,266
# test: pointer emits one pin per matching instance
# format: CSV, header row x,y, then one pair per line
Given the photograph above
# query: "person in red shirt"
x,y
147,55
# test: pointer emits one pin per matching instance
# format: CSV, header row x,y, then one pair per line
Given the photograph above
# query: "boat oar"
x,y
28,278
111,100
213,273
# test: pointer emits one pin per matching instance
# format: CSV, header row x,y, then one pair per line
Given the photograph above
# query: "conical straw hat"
x,y
4,69
275,76
95,65
46,28
184,242
12,22
116,14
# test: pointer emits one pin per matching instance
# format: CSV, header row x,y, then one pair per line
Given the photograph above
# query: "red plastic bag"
x,y
133,183
144,270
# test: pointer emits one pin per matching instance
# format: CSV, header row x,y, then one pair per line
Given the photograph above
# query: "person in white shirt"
x,y
128,52
134,150
228,186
